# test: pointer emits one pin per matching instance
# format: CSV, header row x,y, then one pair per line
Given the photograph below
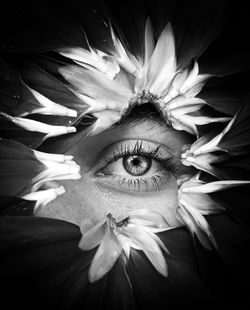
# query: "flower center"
x,y
144,97
114,224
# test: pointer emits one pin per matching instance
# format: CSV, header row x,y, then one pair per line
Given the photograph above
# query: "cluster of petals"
x,y
195,203
231,141
25,172
138,230
109,84
30,174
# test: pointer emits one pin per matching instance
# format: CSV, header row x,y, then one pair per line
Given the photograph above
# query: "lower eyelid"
x,y
141,184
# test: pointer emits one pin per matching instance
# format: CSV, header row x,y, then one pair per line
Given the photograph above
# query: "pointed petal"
x,y
49,107
202,120
105,257
194,90
201,202
9,129
162,64
123,57
93,237
181,101
191,79
201,141
197,225
97,60
56,171
174,89
147,217
149,246
149,42
18,166
181,124
204,162
235,139
30,125
214,186
212,145
194,82
105,119
126,243
96,85
43,197
59,158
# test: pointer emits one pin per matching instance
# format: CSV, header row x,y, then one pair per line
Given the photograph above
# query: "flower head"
x,y
115,82
24,171
135,231
195,203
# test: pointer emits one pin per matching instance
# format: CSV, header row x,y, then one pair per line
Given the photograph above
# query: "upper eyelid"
x,y
136,150
169,150
138,146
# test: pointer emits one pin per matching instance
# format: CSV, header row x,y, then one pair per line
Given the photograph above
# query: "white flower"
x,y
136,231
43,105
232,141
95,58
112,83
43,197
57,167
31,125
194,202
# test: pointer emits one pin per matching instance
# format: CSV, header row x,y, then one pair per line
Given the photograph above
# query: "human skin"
x,y
89,199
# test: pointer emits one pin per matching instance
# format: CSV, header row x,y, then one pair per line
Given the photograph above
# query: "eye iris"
x,y
136,165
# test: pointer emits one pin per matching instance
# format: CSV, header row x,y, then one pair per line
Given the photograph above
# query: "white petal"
x,y
202,120
149,42
178,112
49,107
43,197
97,59
182,124
59,158
94,105
93,237
191,79
162,64
201,141
106,103
201,202
105,119
123,57
149,246
174,89
198,225
212,145
126,243
96,85
195,90
50,130
105,257
203,162
182,101
148,217
214,186
194,82
56,171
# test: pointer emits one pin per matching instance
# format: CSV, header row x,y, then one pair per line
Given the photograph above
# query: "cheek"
x,y
86,200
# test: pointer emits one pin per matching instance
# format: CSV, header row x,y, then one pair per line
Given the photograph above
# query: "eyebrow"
x,y
145,114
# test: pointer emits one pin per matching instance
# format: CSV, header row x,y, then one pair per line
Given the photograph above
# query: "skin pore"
x,y
132,165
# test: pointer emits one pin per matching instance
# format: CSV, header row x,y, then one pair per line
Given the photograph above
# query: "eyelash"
x,y
170,166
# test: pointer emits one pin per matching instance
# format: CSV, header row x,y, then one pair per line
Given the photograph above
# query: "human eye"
x,y
137,166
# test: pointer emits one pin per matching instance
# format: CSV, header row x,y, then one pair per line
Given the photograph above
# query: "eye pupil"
x,y
136,165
